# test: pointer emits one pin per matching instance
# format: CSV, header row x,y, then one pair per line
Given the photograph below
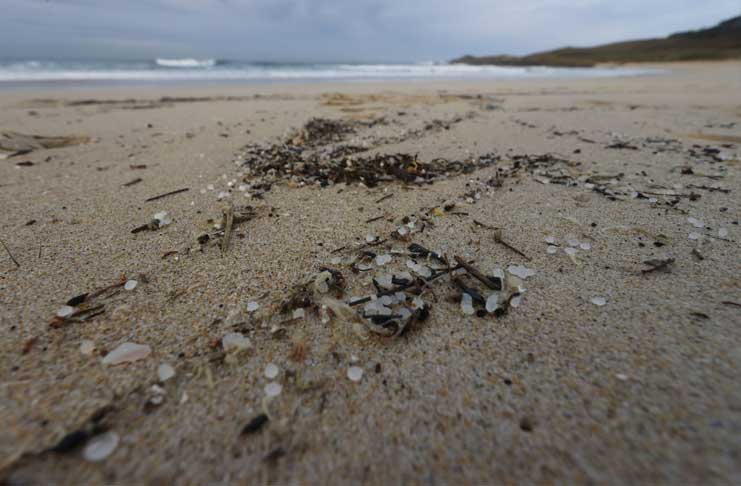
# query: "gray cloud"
x,y
342,30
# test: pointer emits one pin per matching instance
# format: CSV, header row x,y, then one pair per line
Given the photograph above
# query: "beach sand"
x,y
642,390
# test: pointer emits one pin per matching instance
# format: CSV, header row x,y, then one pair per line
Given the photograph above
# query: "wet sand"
x,y
644,389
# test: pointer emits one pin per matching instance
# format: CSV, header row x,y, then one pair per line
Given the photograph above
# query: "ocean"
x,y
156,71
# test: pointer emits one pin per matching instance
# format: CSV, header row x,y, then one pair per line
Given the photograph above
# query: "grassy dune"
x,y
720,42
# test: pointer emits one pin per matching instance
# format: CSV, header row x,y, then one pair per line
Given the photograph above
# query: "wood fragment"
x,y
227,224
475,273
709,188
475,296
29,344
498,239
484,225
387,196
10,254
728,302
132,182
255,425
373,219
171,193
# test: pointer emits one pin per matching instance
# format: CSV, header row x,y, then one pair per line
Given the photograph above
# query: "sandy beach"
x,y
600,369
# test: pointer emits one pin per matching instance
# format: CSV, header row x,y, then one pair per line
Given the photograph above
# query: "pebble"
x,y
551,250
550,240
252,306
492,303
355,373
585,246
130,284
271,371
65,310
87,347
383,259
273,389
100,447
163,218
126,352
165,371
235,341
695,222
467,305
521,271
694,236
599,301
723,232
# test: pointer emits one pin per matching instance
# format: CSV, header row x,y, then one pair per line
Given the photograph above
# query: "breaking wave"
x,y
211,70
186,63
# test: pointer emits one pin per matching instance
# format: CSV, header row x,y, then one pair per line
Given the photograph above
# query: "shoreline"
x,y
154,82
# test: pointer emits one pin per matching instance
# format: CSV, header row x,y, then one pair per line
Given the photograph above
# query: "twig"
x,y
711,189
477,297
484,225
387,196
228,223
171,193
10,254
498,239
374,219
728,302
135,181
475,273
667,195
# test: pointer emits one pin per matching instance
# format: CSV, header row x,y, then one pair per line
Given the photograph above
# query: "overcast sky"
x,y
329,30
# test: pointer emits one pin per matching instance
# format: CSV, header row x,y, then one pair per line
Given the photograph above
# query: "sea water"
x,y
22,72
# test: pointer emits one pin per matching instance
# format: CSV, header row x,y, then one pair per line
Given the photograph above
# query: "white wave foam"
x,y
186,63
193,70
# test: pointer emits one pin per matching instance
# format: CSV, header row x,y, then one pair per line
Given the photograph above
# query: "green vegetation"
x,y
717,43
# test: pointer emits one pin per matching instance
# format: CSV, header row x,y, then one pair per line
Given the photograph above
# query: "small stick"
x,y
728,302
10,254
121,282
475,273
171,193
387,196
374,219
711,189
228,224
477,297
498,239
665,195
484,225
135,181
